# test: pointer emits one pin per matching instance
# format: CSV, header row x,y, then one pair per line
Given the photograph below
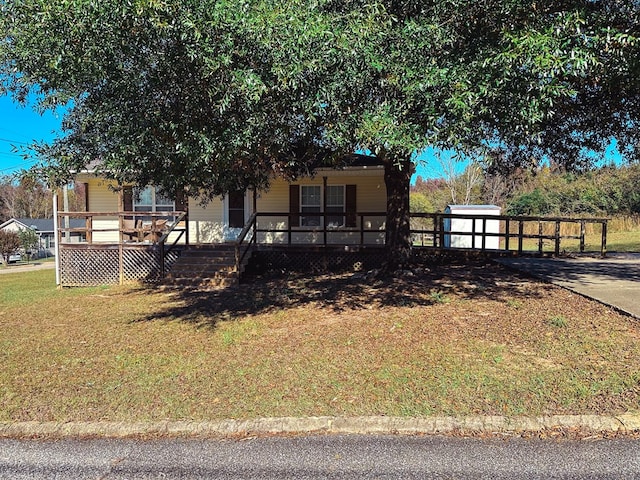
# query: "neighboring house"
x,y
336,209
44,228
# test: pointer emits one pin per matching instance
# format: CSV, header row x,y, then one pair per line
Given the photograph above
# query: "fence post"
x,y
89,229
557,247
583,231
520,235
603,245
540,232
121,263
324,228
507,231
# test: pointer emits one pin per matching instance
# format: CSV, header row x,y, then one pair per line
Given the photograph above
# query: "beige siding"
x,y
370,192
370,197
206,223
102,198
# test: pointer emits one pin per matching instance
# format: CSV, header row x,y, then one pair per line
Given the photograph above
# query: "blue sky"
x,y
20,126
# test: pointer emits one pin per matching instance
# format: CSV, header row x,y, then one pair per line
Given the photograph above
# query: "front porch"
x,y
123,247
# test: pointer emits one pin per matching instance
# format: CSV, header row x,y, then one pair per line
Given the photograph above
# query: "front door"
x,y
236,214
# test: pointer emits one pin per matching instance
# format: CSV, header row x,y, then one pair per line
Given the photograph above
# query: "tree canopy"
x,y
218,95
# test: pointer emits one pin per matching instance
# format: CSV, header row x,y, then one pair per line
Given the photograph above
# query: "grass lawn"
x,y
456,340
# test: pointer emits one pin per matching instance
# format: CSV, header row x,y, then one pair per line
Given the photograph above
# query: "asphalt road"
x,y
326,457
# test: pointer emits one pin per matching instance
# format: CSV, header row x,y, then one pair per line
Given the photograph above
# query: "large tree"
x,y
219,95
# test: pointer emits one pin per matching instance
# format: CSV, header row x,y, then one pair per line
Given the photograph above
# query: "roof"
x,y
354,160
42,224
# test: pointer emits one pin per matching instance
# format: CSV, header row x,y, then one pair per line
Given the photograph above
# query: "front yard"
x,y
451,340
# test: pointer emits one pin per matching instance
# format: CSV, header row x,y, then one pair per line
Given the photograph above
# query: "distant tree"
x,y
29,241
9,244
24,197
419,202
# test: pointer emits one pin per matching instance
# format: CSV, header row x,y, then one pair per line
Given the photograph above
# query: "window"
x,y
335,204
310,202
236,209
150,200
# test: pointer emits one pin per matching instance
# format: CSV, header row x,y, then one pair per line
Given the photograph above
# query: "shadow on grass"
x,y
422,286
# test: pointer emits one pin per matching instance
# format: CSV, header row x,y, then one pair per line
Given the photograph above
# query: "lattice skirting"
x,y
270,261
100,265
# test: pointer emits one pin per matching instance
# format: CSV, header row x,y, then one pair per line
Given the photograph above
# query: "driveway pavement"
x,y
28,267
613,281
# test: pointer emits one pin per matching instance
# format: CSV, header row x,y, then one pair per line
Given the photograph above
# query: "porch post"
x,y
56,235
324,211
65,196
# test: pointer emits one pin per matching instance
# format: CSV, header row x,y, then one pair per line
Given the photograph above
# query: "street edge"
x,y
380,425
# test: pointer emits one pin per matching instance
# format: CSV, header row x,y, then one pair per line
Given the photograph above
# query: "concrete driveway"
x,y
28,267
613,280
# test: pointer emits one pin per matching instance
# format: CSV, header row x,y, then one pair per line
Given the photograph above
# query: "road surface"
x,y
326,457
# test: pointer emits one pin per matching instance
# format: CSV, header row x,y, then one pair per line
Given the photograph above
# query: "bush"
x,y
532,203
9,244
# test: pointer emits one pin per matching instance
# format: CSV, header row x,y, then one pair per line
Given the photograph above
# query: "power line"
x,y
14,141
21,165
13,132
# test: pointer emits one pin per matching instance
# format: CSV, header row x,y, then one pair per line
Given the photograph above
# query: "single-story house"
x,y
44,228
336,209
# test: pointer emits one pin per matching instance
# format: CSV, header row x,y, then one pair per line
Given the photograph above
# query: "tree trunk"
x,y
397,175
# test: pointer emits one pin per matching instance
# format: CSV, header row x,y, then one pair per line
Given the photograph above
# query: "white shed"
x,y
456,228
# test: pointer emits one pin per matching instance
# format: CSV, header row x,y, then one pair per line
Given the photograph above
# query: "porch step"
x,y
205,266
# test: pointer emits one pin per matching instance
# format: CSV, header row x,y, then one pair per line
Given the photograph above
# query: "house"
x,y
332,220
336,210
44,228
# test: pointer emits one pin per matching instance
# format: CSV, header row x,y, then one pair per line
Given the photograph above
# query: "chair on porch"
x,y
131,230
154,231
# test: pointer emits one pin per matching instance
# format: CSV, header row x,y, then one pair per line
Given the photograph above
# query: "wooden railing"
x,y
132,227
243,244
483,230
518,234
297,228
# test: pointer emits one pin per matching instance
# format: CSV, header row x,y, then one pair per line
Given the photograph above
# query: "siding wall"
x,y
207,224
370,197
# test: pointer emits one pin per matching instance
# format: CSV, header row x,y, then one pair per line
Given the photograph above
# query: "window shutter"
x,y
127,199
294,205
181,201
85,187
350,206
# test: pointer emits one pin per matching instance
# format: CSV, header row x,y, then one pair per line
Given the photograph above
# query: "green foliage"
x,y
533,203
28,241
609,190
418,202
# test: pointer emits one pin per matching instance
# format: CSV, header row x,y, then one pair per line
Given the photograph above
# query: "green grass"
x,y
32,288
326,347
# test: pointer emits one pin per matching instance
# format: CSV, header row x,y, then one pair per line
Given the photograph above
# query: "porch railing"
x,y
122,227
517,234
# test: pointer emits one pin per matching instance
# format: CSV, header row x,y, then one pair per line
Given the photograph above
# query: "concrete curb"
x,y
627,423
